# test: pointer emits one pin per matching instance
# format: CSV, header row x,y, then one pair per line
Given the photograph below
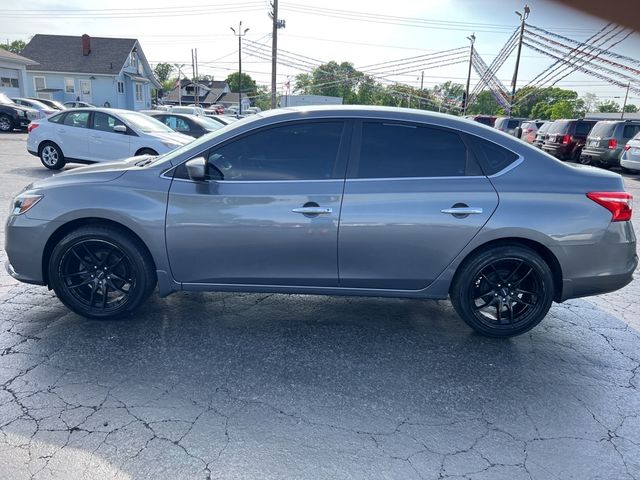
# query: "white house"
x,y
13,73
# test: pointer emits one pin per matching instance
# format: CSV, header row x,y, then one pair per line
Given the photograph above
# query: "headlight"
x,y
23,203
171,144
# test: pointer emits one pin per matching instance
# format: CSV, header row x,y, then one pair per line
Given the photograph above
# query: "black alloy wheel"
x,y
100,272
504,291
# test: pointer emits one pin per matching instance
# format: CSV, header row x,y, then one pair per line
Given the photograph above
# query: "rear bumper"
x,y
558,151
605,266
630,164
609,157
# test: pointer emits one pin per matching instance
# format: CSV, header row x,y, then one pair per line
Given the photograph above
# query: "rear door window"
x,y
399,150
77,119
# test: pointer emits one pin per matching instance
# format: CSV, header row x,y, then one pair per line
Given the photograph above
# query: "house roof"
x,y
63,53
8,56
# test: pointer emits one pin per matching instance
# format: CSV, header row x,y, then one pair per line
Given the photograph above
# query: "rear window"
x,y
560,126
491,157
630,131
603,129
583,128
545,127
513,123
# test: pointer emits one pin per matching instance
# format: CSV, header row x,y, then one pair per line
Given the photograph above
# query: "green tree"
x,y
484,104
609,107
17,46
335,80
248,84
630,108
562,109
262,98
162,71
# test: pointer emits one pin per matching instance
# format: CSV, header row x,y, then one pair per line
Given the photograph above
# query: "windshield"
x,y
195,145
603,129
144,123
4,100
210,124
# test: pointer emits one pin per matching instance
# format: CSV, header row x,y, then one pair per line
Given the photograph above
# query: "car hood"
x,y
175,137
97,173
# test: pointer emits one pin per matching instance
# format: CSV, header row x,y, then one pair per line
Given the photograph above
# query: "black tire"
x,y
503,291
146,151
101,272
51,156
6,123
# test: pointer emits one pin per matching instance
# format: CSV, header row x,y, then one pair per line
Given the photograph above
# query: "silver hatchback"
x,y
337,201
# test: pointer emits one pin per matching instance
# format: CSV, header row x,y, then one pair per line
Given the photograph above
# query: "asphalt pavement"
x,y
245,386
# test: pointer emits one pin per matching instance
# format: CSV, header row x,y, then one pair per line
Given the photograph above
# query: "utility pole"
x,y
523,17
239,34
472,39
421,81
179,67
626,96
197,79
274,48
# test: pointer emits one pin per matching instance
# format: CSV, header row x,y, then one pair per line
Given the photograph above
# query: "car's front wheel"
x,y
51,156
503,291
101,272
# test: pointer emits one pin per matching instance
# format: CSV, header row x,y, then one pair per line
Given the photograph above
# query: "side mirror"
x,y
518,132
120,129
197,169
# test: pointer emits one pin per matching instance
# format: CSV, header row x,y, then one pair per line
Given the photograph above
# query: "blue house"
x,y
111,72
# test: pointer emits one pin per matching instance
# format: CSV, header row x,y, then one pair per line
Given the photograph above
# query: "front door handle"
x,y
462,210
313,210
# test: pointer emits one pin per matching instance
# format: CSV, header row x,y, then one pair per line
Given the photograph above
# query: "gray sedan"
x,y
338,201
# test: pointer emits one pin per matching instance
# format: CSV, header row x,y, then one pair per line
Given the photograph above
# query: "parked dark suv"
x,y
565,138
607,140
14,116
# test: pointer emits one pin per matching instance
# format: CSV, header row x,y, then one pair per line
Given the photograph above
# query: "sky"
x,y
361,32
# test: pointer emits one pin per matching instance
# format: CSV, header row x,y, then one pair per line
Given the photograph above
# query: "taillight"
x,y
613,144
566,139
627,147
32,126
620,204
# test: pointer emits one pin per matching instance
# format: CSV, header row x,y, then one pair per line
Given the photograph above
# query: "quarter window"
x,y
583,128
630,131
77,119
302,151
390,150
491,157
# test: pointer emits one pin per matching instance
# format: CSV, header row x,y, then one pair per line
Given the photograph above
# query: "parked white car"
x,y
198,111
43,110
99,135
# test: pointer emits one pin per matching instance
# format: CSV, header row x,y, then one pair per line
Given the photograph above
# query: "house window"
x,y
5,82
69,85
138,92
120,87
39,83
133,59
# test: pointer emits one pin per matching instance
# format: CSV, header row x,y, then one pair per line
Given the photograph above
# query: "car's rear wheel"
x,y
503,291
51,156
101,272
6,123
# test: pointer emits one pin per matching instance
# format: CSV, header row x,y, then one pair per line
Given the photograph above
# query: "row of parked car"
x,y
603,143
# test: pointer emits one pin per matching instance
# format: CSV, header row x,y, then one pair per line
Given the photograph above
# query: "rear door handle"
x,y
313,210
462,211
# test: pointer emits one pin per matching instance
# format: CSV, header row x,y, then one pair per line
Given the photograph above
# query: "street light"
x,y
472,39
239,34
523,17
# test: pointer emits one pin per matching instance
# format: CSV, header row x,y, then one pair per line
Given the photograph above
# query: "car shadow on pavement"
x,y
275,386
